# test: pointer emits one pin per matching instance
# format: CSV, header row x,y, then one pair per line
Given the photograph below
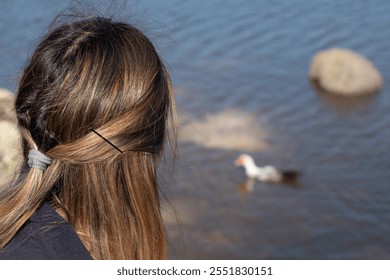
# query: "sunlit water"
x,y
240,71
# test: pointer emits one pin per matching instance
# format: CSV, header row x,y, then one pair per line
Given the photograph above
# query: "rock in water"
x,y
10,146
344,72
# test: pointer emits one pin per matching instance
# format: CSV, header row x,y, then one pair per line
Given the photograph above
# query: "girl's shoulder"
x,y
45,236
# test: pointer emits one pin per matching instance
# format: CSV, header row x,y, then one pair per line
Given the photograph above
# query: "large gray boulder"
x,y
344,72
10,146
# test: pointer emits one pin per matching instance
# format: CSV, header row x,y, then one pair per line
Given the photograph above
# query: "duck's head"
x,y
243,160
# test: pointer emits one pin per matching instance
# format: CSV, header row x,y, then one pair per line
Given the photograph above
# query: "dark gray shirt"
x,y
45,236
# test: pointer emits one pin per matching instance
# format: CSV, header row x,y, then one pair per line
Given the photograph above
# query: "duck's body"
x,y
266,173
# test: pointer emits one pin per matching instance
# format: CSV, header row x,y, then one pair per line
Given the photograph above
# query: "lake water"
x,y
240,71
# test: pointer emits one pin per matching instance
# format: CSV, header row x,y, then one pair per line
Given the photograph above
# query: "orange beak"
x,y
238,162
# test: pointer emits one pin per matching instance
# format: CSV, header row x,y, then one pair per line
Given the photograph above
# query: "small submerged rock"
x,y
230,129
345,72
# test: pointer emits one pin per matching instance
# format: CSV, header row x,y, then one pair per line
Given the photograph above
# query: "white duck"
x,y
266,173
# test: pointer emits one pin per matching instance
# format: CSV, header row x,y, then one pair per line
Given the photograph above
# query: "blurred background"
x,y
240,73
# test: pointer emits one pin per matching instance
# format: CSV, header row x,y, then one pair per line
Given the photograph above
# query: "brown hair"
x,y
95,97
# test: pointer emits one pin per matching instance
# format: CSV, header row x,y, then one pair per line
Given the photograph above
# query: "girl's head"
x,y
97,75
95,97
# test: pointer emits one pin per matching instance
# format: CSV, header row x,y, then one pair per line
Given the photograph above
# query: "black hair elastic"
x,y
107,140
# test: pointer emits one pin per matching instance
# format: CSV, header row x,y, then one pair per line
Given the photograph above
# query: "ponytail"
x,y
20,200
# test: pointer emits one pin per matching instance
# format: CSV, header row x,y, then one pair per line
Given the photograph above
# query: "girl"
x,y
92,106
